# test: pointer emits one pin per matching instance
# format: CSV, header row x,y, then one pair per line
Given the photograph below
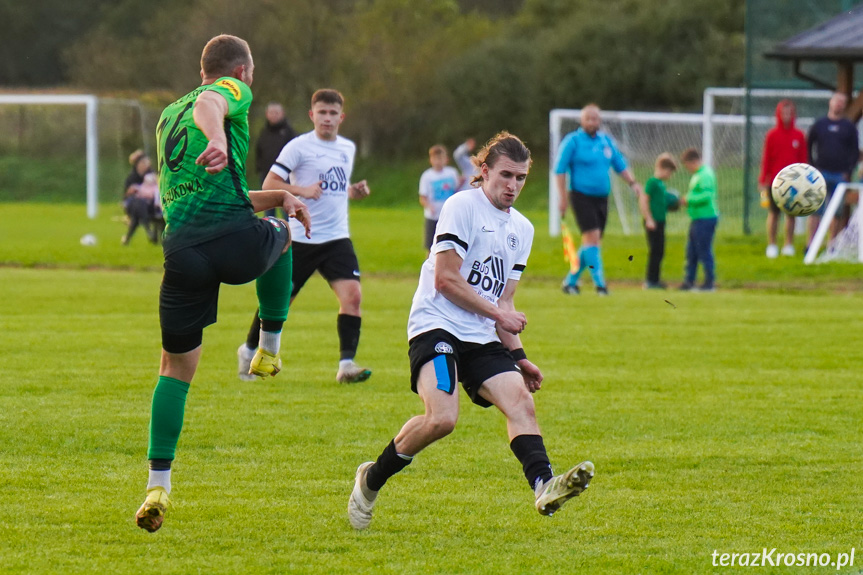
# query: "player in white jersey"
x,y
463,326
317,166
437,184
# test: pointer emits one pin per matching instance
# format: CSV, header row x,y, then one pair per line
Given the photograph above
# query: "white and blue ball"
x,y
799,189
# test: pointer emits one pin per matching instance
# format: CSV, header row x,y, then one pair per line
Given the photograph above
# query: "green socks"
x,y
274,288
166,417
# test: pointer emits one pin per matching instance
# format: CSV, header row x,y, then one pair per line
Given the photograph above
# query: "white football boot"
x,y
553,493
360,507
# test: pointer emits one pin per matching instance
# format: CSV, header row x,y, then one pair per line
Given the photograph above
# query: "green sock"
x,y
166,418
274,288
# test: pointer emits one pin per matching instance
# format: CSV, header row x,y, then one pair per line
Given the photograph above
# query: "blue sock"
x,y
593,260
572,278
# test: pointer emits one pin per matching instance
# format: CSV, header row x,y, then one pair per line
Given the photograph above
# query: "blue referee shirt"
x,y
587,159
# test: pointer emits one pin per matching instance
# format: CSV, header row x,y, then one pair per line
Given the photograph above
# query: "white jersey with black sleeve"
x,y
304,161
494,246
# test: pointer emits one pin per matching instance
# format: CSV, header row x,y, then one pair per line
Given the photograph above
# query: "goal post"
x,y
91,104
840,248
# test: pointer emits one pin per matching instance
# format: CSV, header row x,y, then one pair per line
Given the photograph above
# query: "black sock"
x,y
271,325
160,464
254,337
530,451
388,464
348,327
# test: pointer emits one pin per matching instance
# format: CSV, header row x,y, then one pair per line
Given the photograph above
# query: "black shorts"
x,y
429,233
474,363
336,260
189,294
591,212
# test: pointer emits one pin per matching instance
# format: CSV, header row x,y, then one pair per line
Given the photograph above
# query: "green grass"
x,y
725,421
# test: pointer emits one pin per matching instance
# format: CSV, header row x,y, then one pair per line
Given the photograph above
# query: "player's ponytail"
x,y
502,144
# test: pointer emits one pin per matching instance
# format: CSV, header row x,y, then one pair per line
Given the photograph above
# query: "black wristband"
x,y
518,354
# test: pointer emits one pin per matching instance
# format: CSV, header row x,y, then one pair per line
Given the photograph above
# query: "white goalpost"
x,y
847,241
91,104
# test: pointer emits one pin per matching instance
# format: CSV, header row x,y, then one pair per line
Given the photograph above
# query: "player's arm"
x,y
209,115
449,282
274,181
561,166
424,192
532,375
563,197
268,199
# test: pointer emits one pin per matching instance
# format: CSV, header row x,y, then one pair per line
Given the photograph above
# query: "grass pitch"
x,y
725,421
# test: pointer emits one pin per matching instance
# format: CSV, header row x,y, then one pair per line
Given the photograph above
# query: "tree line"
x,y
413,71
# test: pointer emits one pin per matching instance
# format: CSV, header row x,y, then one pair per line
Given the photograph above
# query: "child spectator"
x,y
658,197
436,185
700,202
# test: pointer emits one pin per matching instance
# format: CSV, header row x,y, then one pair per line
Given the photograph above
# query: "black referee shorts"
x,y
470,363
189,294
591,212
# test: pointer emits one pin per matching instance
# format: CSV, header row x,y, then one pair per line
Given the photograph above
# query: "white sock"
x,y
160,478
271,341
343,363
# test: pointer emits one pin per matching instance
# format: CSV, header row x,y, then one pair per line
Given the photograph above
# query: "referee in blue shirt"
x,y
586,156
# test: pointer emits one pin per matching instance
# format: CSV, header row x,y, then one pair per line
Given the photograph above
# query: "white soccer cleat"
x,y
359,507
772,252
788,250
352,373
552,494
244,361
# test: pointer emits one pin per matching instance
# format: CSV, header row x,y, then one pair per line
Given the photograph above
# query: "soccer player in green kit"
x,y
212,237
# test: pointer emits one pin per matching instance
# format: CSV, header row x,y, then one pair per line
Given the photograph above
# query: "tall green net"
x,y
768,23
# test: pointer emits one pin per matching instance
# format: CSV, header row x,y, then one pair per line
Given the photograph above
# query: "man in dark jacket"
x,y
276,133
833,149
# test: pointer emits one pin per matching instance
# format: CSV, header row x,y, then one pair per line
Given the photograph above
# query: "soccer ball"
x,y
88,240
799,189
672,200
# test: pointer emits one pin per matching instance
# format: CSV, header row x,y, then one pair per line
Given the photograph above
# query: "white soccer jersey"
x,y
494,246
306,160
437,186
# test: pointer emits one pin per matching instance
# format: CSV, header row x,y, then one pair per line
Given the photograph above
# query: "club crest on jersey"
x,y
488,275
335,179
512,241
443,347
231,86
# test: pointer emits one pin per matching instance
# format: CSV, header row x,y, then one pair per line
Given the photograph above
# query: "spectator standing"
x,y
833,149
462,156
700,202
783,145
276,133
437,184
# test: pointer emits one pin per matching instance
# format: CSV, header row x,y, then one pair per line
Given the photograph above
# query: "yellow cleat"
x,y
265,363
151,514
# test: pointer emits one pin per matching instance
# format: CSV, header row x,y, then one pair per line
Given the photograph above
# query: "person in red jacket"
x,y
783,145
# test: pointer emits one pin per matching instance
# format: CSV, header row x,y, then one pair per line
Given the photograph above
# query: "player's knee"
x,y
441,425
351,299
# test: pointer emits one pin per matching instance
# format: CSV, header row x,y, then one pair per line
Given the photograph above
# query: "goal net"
x,y
68,148
848,244
720,132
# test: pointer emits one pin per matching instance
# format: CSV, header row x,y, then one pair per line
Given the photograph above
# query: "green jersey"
x,y
199,206
701,197
655,190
